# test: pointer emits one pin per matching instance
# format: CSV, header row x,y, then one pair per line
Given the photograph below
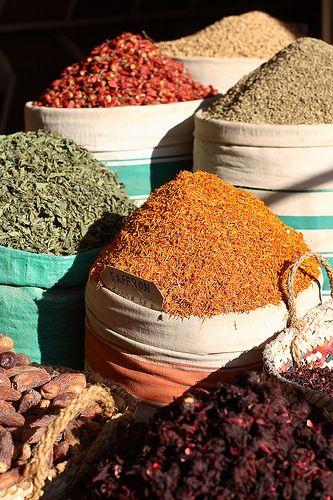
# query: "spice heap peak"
x,y
211,248
126,71
253,34
292,88
55,198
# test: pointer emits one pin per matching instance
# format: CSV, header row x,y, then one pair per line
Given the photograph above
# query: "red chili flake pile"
x,y
211,248
127,71
238,442
317,379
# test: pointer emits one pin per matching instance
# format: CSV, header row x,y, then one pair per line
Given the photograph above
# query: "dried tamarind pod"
x,y
71,434
60,451
66,382
40,420
10,418
9,393
7,359
9,479
6,343
22,359
30,379
91,411
63,400
4,380
6,450
16,370
29,400
22,452
6,405
32,435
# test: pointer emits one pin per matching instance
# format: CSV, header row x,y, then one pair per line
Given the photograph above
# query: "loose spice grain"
x,y
292,88
211,248
253,34
126,71
55,197
315,378
238,442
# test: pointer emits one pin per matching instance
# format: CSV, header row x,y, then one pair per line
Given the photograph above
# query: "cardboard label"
x,y
132,288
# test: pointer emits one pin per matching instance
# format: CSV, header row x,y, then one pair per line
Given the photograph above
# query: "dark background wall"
x,y
39,38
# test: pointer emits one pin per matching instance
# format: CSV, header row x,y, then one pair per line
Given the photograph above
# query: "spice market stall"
x,y
177,298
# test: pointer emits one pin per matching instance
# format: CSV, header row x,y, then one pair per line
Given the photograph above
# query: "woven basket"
x,y
38,479
307,341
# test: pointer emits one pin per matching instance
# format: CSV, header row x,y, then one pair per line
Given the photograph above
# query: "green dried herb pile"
x,y
211,248
55,197
293,88
253,34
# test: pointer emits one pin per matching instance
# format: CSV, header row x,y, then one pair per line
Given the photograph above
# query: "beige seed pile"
x,y
254,34
294,87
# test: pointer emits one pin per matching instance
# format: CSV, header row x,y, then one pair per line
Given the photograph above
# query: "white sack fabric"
x,y
145,145
221,73
157,357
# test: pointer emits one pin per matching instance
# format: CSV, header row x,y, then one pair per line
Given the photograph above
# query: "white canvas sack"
x,y
157,357
221,73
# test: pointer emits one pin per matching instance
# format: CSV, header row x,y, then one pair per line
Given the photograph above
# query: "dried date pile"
x,y
31,397
127,71
317,379
240,441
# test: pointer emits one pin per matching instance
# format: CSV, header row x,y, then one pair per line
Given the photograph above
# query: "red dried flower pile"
x,y
127,71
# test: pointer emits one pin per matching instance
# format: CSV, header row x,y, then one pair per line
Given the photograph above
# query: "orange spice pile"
x,y
211,248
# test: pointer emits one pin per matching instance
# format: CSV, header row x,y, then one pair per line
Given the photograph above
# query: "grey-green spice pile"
x,y
55,197
294,87
253,34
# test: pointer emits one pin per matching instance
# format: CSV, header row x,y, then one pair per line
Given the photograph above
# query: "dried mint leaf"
x,y
55,196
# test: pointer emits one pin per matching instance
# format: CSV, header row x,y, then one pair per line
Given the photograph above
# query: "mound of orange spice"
x,y
211,248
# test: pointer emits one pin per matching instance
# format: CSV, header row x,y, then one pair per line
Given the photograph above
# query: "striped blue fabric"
x,y
141,176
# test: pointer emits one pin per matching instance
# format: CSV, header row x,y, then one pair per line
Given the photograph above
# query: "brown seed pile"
x,y
211,248
254,34
292,88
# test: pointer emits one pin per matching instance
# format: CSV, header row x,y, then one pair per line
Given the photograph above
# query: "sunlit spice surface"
x,y
129,70
211,248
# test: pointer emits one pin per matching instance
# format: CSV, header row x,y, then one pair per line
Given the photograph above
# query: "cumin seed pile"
x,y
253,34
211,248
292,88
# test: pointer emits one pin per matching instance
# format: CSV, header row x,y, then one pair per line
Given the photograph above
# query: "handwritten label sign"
x,y
132,288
